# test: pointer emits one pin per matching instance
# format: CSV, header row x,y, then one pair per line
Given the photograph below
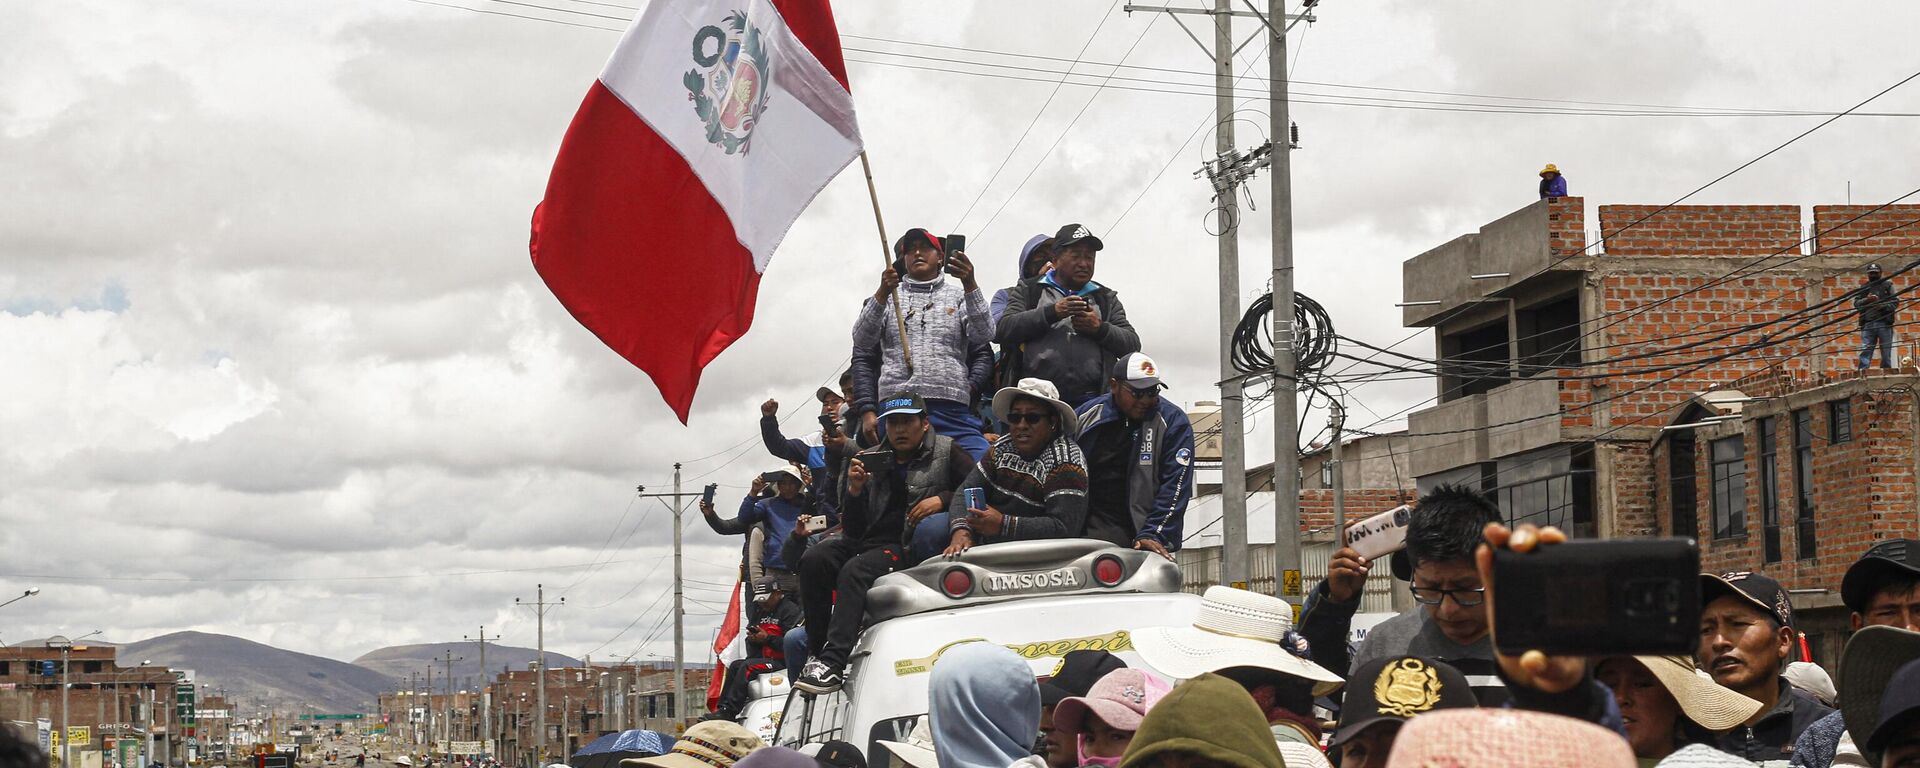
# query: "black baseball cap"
x,y
903,402
1077,673
912,238
1394,689
840,754
1757,589
1872,268
764,586
1073,234
1894,558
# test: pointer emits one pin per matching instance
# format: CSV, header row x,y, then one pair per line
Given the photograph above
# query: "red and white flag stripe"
x,y
712,127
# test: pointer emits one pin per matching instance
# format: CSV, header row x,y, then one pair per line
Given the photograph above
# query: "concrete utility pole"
x,y
679,708
486,687
1286,440
1234,566
1227,172
448,728
1338,421
429,708
540,607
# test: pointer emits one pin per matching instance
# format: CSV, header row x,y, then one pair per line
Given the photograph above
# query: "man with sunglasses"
x,y
1450,622
1139,451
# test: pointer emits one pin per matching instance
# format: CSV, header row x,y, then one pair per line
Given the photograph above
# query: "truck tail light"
x,y
957,582
1108,571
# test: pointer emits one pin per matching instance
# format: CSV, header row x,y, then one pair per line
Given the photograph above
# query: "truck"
x,y
1042,599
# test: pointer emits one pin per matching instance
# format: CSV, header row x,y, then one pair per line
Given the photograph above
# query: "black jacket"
x,y
1772,738
935,470
1037,342
1884,305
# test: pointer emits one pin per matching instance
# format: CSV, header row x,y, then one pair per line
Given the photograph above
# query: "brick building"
x,y
1795,478
1580,383
109,701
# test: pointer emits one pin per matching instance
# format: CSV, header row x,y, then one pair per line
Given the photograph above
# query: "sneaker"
x,y
819,677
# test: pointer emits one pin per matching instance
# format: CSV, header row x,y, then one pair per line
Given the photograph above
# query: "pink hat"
x,y
1121,699
1503,738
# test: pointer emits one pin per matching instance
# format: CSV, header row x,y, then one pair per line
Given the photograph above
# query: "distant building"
x,y
109,702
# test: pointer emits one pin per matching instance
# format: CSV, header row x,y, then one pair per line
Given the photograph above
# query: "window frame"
x,y
1727,479
1804,508
1840,421
1768,432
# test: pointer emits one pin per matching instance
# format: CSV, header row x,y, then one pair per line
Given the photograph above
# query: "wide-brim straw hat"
x,y
1551,168
1235,628
711,744
1711,705
1039,389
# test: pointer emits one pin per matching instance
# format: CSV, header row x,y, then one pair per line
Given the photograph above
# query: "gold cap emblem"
x,y
1406,688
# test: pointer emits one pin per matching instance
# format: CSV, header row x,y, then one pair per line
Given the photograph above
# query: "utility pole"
x,y
1286,440
679,711
540,608
1234,565
486,686
1338,421
1227,173
679,708
448,676
429,708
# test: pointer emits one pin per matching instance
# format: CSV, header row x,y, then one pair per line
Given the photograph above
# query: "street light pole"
x,y
30,592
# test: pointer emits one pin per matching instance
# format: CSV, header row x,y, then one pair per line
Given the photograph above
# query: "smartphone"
x,y
829,425
1599,598
955,244
815,524
1380,535
973,498
706,496
876,463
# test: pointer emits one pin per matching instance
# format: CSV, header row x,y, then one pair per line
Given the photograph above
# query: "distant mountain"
x,y
256,675
396,662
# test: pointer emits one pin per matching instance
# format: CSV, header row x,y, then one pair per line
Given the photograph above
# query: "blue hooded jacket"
x,y
1160,482
999,303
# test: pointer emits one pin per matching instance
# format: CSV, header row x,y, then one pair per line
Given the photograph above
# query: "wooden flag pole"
x,y
886,258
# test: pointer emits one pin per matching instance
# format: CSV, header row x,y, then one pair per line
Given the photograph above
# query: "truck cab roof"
x,y
1042,599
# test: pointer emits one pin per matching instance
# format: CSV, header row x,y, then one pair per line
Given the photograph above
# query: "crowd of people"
x,y
964,421
1037,404
1244,687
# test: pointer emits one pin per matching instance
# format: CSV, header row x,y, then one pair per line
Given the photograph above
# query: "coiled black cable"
x,y
1314,340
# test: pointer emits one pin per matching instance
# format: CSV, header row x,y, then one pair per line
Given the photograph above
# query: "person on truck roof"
x,y
765,646
1139,451
776,517
1062,326
1034,477
892,494
945,324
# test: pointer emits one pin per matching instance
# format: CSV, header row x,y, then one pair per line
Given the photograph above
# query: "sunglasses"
x,y
1145,392
1017,417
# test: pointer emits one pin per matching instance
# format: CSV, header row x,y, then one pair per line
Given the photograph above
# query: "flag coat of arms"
x,y
713,125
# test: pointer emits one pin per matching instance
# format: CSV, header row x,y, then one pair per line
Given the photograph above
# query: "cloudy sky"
x,y
274,362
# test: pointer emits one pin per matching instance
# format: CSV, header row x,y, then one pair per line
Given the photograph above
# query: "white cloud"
x,y
266,309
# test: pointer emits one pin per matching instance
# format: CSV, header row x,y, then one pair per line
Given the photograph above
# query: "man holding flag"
x,y
711,128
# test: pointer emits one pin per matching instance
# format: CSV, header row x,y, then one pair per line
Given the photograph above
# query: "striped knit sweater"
x,y
1044,497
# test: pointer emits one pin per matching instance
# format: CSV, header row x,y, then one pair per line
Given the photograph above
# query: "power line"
x,y
1036,116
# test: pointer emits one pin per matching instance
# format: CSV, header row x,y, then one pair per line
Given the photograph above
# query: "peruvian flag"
x,y
713,125
729,646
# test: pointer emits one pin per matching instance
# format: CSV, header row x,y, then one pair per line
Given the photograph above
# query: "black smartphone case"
x,y
1599,598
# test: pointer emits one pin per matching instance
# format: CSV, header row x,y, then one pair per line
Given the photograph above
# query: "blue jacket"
x,y
1161,481
826,467
777,514
1554,187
